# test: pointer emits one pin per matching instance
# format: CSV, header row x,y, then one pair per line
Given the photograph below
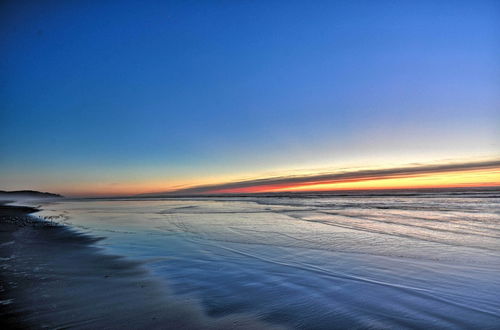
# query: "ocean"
x,y
408,259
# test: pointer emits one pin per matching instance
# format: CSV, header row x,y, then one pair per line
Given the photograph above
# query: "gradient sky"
x,y
119,97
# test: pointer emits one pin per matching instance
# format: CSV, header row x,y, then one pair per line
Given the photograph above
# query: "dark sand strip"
x,y
52,277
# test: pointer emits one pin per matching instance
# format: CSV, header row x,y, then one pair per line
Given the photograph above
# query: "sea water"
x,y
393,260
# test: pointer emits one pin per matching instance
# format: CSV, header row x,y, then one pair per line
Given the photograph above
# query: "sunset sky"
x,y
132,97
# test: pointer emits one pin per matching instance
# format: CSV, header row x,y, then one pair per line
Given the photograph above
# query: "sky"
x,y
129,97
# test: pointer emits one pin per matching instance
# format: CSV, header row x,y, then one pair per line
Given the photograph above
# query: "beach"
x,y
53,277
384,261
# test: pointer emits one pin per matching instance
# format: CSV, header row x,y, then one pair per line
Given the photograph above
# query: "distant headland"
x,y
27,194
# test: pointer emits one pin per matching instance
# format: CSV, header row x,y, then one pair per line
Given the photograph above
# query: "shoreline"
x,y
12,218
54,277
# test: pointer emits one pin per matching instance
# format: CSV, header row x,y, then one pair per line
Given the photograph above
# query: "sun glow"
x,y
447,175
468,178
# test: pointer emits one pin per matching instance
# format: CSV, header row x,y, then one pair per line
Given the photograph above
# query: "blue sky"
x,y
179,91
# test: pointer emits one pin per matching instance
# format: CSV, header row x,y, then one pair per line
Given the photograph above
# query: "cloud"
x,y
334,177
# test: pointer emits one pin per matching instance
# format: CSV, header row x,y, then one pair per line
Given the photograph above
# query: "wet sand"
x,y
53,277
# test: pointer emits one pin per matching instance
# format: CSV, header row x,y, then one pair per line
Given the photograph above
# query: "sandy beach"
x,y
414,259
53,277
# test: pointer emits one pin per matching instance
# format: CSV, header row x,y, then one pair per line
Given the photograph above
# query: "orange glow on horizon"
x,y
456,179
486,177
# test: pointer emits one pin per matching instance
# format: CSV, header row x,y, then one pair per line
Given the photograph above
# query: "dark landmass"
x,y
53,277
26,194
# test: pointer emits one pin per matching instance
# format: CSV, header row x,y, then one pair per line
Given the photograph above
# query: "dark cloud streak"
x,y
338,177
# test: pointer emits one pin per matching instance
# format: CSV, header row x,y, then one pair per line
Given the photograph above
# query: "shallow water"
x,y
313,262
